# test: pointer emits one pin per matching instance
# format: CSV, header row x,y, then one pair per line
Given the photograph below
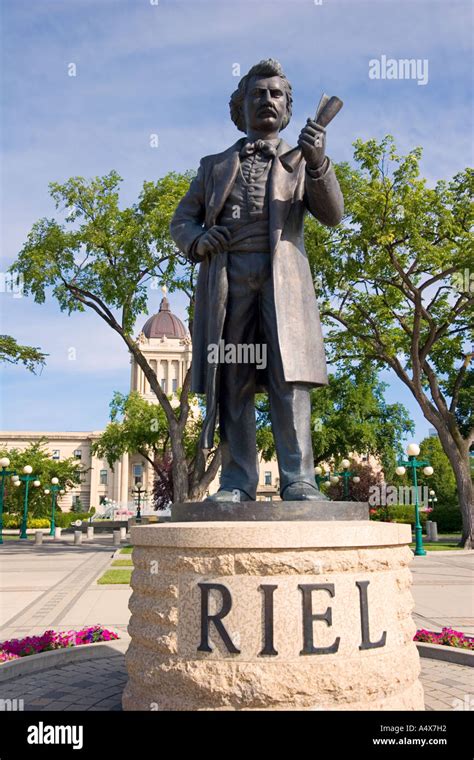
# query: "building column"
x,y
124,495
117,480
94,484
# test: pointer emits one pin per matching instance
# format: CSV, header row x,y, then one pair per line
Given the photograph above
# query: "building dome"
x,y
164,324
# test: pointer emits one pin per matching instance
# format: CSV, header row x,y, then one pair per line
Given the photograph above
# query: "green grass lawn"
x,y
16,537
122,563
438,546
116,576
126,550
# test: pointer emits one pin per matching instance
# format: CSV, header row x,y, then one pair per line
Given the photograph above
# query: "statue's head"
x,y
262,101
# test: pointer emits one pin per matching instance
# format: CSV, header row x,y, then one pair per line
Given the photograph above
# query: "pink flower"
x,y
447,637
50,639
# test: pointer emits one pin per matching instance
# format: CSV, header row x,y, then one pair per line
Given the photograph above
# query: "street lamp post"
x,y
319,477
432,499
139,494
27,478
346,476
4,473
413,464
54,489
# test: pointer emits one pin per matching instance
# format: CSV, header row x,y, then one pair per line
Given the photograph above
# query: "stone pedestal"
x,y
283,615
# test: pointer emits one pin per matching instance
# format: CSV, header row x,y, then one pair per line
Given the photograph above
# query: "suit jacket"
x,y
291,195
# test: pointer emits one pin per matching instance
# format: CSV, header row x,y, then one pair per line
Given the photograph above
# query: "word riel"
x,y
308,618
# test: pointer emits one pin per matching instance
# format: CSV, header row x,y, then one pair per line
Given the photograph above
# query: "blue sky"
x,y
166,67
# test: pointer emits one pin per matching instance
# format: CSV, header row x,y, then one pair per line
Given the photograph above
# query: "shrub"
x,y
38,522
449,520
14,522
399,513
64,519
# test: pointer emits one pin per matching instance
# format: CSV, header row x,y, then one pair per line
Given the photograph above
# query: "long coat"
x,y
291,195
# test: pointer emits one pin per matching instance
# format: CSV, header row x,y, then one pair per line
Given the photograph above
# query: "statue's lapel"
x,y
224,173
281,189
281,193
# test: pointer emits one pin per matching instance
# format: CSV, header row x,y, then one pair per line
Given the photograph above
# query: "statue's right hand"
x,y
214,240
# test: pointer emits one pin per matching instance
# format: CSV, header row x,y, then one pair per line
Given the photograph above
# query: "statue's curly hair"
x,y
267,68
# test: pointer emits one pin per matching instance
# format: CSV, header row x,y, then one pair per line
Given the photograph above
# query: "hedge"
x,y
448,520
62,520
14,521
400,513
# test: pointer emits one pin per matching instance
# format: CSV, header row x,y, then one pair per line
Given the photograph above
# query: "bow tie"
x,y
259,146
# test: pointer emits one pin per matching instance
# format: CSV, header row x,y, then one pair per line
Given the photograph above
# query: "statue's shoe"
x,y
234,495
302,492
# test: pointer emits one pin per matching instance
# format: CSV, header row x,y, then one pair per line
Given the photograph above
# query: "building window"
x,y
78,454
268,478
163,384
103,477
137,473
56,454
174,385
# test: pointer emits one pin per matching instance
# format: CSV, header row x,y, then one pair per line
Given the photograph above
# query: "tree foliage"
x,y
349,414
392,281
442,481
11,352
104,258
68,471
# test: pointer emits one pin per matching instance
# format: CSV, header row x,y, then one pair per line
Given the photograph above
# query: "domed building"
x,y
166,344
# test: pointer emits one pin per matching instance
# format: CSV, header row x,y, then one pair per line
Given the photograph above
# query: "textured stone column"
x,y
307,615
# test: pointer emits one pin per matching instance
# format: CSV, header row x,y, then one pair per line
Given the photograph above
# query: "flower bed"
x,y
49,640
448,638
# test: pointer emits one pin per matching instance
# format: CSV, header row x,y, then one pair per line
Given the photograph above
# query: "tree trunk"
x,y
199,487
179,464
460,463
180,470
466,497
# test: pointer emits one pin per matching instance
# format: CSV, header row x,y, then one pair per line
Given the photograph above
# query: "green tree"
x,y
349,414
68,472
394,291
11,352
442,481
138,426
103,258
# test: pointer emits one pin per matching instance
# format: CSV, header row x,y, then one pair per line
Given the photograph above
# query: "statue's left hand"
x,y
312,141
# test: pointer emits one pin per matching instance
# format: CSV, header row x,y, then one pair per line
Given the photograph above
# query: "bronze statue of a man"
x,y
242,219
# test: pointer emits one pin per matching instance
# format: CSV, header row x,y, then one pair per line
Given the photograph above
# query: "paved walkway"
x,y
98,685
54,585
447,686
443,589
